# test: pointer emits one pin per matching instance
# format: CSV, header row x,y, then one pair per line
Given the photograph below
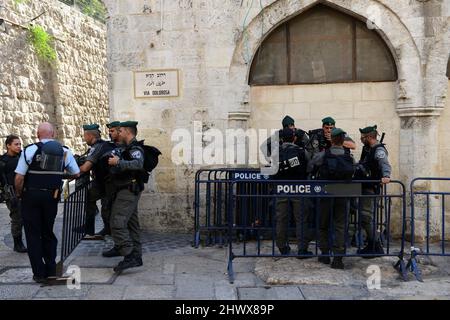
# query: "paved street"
x,y
175,270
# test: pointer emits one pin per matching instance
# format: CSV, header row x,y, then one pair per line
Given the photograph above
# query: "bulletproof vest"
x,y
46,169
101,168
318,141
370,163
10,165
126,177
337,167
292,163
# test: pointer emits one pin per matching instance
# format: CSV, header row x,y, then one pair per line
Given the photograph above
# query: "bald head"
x,y
45,131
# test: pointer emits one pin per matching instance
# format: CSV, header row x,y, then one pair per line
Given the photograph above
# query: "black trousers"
x,y
39,209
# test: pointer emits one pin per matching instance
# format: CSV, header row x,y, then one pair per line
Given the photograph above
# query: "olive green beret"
x,y
287,121
337,131
113,124
368,129
129,124
328,121
89,127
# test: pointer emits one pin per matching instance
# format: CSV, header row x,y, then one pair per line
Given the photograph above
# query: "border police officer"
x,y
113,128
292,166
127,169
9,161
38,183
335,163
375,164
288,122
320,139
101,189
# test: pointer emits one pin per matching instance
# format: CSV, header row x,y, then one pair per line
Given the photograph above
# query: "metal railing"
x,y
74,218
321,198
428,211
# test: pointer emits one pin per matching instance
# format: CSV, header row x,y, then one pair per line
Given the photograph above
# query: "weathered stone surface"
x,y
290,271
74,92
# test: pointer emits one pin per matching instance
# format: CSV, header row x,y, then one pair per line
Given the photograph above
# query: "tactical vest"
x,y
319,136
39,178
10,167
126,178
101,167
370,163
292,163
337,167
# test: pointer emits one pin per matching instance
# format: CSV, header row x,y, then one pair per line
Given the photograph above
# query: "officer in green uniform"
x,y
373,165
127,169
101,188
113,128
8,164
288,122
335,163
320,139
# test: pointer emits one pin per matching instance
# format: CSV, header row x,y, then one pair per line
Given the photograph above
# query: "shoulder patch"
x,y
136,154
380,154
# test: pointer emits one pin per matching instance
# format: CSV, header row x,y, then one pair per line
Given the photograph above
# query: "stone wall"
x,y
70,94
212,44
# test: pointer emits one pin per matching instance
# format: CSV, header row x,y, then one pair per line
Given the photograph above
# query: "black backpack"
x,y
151,159
337,167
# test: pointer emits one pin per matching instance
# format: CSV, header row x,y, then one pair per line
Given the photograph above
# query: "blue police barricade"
x,y
428,214
320,208
210,206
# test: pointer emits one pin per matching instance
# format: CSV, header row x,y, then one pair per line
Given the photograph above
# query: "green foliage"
x,y
17,2
92,8
43,44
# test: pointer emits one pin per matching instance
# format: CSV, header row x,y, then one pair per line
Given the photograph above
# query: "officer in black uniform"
x,y
373,165
127,171
292,166
320,139
38,183
96,161
288,122
8,164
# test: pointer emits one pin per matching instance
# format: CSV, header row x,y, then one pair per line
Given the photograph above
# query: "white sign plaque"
x,y
156,84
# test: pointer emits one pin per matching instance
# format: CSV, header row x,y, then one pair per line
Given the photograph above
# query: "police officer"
x,y
101,188
9,162
38,183
288,122
292,166
374,164
320,139
335,163
113,128
127,168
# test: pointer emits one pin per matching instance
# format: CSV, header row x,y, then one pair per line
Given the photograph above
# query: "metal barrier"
x,y
212,187
434,239
261,198
74,218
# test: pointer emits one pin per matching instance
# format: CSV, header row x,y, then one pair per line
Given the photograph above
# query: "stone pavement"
x,y
175,270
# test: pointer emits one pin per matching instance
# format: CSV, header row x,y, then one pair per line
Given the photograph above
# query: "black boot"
x,y
104,232
337,263
305,253
113,252
325,259
18,245
130,261
372,248
285,250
